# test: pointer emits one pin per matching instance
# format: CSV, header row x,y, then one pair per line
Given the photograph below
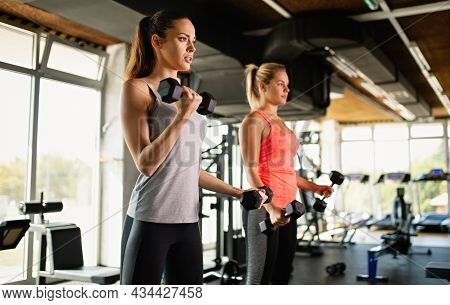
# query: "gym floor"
x,y
403,270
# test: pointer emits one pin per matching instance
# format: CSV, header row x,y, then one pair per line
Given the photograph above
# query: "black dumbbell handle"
x,y
323,197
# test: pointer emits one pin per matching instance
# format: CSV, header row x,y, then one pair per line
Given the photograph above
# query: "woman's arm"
x,y
147,155
214,184
250,135
307,185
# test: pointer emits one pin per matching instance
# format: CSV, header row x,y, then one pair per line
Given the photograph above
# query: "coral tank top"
x,y
276,163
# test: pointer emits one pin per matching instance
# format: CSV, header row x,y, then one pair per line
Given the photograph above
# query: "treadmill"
x,y
388,222
433,222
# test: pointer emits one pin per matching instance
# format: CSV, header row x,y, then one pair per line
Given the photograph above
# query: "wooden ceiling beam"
x,y
54,22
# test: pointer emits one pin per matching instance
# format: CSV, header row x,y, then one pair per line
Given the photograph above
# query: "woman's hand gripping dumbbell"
x,y
336,178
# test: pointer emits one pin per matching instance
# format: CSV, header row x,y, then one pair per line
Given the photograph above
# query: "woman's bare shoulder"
x,y
254,118
136,92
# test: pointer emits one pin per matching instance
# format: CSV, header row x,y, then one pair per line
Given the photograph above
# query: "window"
x,y
395,151
357,157
387,132
356,133
427,154
81,63
67,155
391,156
427,130
67,139
14,116
17,46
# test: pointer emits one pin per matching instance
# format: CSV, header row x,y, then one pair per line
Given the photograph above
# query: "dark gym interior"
x,y
369,100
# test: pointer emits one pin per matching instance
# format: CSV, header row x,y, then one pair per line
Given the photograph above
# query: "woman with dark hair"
x,y
161,232
268,150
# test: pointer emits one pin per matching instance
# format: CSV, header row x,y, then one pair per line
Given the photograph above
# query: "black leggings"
x,y
269,258
149,249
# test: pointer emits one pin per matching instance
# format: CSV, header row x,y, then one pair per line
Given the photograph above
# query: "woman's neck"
x,y
270,109
159,73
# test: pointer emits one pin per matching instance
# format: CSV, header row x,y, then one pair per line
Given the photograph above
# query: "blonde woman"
x,y
268,150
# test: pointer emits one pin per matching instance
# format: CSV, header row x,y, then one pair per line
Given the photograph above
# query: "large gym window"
x,y
67,155
49,123
414,148
14,117
391,155
427,154
357,157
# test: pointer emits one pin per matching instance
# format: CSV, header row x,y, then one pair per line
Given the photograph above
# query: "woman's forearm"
x,y
253,178
306,185
256,182
214,184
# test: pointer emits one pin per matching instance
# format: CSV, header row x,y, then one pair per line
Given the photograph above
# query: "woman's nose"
x,y
191,47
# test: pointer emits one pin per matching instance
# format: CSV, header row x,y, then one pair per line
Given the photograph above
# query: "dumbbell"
x,y
251,200
335,269
294,210
336,178
170,91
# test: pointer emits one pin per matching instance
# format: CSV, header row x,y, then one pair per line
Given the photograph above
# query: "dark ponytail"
x,y
142,56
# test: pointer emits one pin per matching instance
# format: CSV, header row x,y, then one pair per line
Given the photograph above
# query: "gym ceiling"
x,y
365,57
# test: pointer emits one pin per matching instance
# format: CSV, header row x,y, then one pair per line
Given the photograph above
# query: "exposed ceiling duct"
x,y
220,69
223,76
354,53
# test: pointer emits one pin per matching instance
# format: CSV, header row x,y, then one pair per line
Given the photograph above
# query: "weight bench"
x,y
62,242
440,270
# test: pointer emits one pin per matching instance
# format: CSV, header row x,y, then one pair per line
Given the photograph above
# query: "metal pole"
x,y
32,152
229,152
219,216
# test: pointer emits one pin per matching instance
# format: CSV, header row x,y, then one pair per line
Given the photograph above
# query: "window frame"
x,y
41,70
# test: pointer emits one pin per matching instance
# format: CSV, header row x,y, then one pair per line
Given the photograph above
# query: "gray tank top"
x,y
171,194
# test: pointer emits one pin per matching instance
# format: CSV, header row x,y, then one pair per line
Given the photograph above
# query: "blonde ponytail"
x,y
255,75
251,87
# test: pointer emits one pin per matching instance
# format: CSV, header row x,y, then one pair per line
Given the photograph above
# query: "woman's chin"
x,y
184,67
